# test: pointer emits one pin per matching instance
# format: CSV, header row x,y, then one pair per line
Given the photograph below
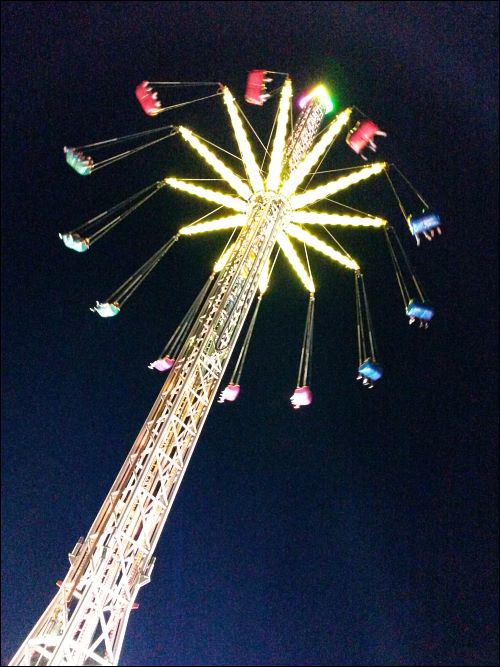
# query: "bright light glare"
x,y
320,92
297,202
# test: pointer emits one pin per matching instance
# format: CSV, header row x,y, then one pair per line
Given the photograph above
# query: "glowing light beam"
x,y
230,222
223,259
276,163
309,197
209,195
291,255
245,149
264,278
311,159
322,247
314,218
234,181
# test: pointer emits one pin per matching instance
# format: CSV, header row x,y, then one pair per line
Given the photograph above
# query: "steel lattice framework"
x,y
85,623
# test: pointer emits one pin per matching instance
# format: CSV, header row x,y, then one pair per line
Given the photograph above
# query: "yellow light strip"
x,y
230,222
264,278
222,261
314,218
209,195
308,163
293,258
245,149
309,197
234,181
276,164
322,247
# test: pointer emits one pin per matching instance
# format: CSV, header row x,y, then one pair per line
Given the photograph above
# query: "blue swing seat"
x,y
370,370
416,310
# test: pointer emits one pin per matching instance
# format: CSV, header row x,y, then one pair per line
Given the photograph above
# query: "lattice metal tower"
x,y
85,622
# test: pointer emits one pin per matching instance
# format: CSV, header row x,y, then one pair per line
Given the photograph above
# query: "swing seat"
x,y
301,396
425,224
75,242
369,370
147,98
230,393
78,161
255,92
363,135
416,310
106,309
163,364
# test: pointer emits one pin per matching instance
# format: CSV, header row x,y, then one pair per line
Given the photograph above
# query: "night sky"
x,y
359,531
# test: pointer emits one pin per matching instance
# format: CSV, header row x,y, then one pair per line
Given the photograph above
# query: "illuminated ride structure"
x,y
85,623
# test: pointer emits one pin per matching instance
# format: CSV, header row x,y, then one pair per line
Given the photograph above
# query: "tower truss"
x,y
85,622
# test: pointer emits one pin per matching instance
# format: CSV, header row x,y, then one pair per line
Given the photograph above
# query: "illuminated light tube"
x,y
313,218
245,149
234,181
209,195
308,163
230,222
222,261
275,166
293,258
309,197
264,278
320,92
322,247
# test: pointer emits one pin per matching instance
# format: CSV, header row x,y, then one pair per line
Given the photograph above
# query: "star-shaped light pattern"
x,y
283,185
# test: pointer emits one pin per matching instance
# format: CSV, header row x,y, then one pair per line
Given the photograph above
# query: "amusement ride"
x,y
270,212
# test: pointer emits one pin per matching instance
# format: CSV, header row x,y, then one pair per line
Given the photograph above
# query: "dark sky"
x,y
362,530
